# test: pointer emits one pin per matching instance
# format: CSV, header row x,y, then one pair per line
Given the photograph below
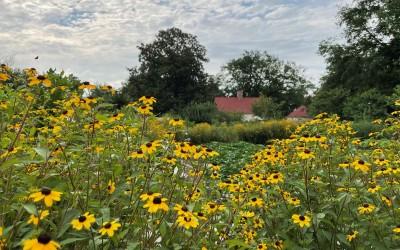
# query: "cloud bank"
x,y
96,39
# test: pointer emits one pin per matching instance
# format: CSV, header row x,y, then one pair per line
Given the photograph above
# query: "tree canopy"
x,y
259,73
171,69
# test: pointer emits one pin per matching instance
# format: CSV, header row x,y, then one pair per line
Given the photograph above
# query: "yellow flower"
x,y
4,77
47,195
149,196
40,79
150,147
109,228
301,220
176,122
1,231
201,216
212,207
42,242
187,221
139,154
155,204
387,201
256,202
352,235
275,178
182,210
87,85
366,208
35,220
84,221
116,117
361,165
111,187
278,245
396,229
147,100
30,72
169,160
293,201
145,110
306,154
262,246
374,188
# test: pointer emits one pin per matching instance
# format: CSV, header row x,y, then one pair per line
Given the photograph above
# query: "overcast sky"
x,y
96,39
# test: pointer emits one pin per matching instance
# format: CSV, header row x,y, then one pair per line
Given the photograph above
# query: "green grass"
x,y
233,156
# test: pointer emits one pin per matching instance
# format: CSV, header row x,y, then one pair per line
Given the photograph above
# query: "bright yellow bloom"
x,y
4,77
169,160
352,235
42,242
301,220
150,147
396,229
176,122
155,204
87,85
275,178
278,245
187,221
116,117
293,201
212,207
84,221
40,79
139,154
366,208
149,196
374,188
306,154
361,165
262,246
145,110
255,202
111,187
109,228
147,100
47,195
35,220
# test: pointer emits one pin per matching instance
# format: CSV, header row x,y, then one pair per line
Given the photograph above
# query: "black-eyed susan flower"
x,y
47,195
262,246
201,216
4,77
275,178
156,203
187,220
40,79
149,196
361,165
212,207
116,117
306,154
170,160
366,208
181,210
30,72
138,154
33,219
109,228
293,201
278,244
396,229
374,188
84,221
301,220
387,200
145,110
147,100
87,85
255,202
352,235
176,122
42,242
111,187
150,147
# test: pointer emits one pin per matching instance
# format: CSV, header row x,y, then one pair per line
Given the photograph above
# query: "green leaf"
x,y
43,152
31,209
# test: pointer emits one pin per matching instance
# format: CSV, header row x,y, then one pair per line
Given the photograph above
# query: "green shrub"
x,y
207,112
364,128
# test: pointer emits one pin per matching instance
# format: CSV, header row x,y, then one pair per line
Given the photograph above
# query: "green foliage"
x,y
258,73
171,69
207,112
363,128
265,107
253,132
233,156
367,105
329,100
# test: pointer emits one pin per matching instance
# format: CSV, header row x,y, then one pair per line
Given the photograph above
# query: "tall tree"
x,y
258,73
370,58
171,69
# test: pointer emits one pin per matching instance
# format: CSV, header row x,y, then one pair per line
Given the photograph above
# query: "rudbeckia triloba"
x,y
150,147
169,160
145,110
42,242
111,187
36,80
187,221
176,122
278,245
262,246
109,228
396,229
149,196
293,201
116,117
212,207
47,195
147,100
366,208
301,220
181,210
387,201
306,154
139,154
84,221
361,166
374,188
87,85
352,235
35,220
256,202
155,204
275,178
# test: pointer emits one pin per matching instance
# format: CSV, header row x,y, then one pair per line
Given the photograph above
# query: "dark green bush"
x,y
207,112
364,128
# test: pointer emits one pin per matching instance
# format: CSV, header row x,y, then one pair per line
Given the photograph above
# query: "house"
x,y
299,114
238,104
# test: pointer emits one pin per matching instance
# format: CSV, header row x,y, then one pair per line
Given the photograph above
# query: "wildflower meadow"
x,y
75,176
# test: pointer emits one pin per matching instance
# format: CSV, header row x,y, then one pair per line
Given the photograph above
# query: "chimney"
x,y
239,94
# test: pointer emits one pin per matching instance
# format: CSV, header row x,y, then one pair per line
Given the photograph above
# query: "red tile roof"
x,y
235,104
299,112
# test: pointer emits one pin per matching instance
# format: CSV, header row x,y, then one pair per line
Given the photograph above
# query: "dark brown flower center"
x,y
361,162
44,239
82,218
107,226
366,205
200,214
302,218
276,176
187,219
212,206
41,78
306,151
157,200
254,199
45,191
149,145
